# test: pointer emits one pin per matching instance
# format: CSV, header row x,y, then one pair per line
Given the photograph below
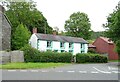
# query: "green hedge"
x,y
92,58
34,55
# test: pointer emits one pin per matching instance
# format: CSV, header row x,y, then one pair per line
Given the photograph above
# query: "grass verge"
x,y
31,65
114,60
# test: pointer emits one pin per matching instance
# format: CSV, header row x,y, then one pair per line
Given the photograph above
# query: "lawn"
x,y
31,65
114,60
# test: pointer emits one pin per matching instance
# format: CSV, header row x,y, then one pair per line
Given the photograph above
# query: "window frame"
x,y
63,44
50,44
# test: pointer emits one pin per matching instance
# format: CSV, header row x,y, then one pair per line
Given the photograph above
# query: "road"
x,y
107,71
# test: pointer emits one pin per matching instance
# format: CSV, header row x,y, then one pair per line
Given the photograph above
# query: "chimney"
x,y
2,9
34,30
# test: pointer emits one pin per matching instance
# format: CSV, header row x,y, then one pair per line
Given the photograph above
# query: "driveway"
x,y
107,71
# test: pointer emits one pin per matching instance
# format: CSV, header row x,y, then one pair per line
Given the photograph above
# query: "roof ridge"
x,y
60,35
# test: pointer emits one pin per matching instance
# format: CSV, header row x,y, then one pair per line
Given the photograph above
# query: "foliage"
x,y
78,25
91,50
29,53
91,58
118,47
33,55
27,14
113,27
96,35
21,37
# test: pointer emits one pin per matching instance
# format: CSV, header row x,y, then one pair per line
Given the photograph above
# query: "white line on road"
x,y
34,70
23,70
12,70
112,68
44,71
94,72
115,71
101,71
59,71
70,71
83,71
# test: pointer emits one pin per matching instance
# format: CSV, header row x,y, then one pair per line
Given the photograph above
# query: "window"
x,y
82,45
62,50
49,44
82,48
70,45
82,51
55,50
62,44
71,51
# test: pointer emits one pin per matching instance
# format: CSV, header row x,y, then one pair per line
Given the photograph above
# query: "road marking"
x,y
34,70
83,71
59,71
23,70
112,68
70,71
94,72
44,71
101,71
12,70
115,71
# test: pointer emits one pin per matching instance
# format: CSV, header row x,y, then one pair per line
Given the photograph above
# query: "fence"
x,y
13,56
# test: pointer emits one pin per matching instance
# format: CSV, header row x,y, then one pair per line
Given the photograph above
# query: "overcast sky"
x,y
57,11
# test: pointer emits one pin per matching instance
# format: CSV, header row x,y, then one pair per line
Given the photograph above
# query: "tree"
x,y
78,25
20,37
98,34
27,13
113,28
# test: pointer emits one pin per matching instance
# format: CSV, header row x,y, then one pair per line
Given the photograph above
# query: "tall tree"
x,y
20,37
113,27
27,13
78,25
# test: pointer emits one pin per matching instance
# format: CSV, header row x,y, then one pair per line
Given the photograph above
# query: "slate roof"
x,y
60,38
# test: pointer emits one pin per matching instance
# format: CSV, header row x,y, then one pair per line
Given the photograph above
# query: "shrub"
x,y
82,58
92,58
34,55
91,51
55,57
30,53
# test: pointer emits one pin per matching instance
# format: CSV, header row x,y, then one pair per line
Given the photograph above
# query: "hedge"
x,y
34,55
92,58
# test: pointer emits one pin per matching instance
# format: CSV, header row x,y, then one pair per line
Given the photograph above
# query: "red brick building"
x,y
106,46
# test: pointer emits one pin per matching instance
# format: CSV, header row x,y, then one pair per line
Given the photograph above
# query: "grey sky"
x,y
57,11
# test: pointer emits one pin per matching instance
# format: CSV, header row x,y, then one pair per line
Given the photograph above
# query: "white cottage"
x,y
57,43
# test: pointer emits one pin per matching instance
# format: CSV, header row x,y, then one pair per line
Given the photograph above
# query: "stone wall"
x,y
5,31
9,57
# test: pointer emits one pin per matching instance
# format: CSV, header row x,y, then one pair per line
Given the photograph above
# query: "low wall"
x,y
13,56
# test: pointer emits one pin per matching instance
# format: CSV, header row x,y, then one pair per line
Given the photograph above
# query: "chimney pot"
x,y
54,33
34,30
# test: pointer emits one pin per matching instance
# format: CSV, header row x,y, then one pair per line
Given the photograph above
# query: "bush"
x,y
34,55
91,51
92,58
30,53
54,57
